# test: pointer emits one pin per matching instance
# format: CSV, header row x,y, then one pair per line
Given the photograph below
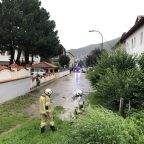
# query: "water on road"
x,y
63,91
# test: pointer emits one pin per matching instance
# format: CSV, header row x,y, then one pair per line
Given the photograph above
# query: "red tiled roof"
x,y
13,65
3,67
27,65
44,65
19,68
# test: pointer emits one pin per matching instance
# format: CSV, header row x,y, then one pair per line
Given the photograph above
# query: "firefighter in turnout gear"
x,y
81,102
45,110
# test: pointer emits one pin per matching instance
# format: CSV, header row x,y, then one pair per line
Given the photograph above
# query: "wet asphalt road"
x,y
64,89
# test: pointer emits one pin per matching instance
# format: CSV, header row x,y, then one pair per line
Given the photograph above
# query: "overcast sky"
x,y
74,18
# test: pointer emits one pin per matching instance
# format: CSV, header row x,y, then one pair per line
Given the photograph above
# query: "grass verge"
x,y
13,112
17,126
30,133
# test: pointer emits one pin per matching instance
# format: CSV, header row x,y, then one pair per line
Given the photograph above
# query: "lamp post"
x,y
100,34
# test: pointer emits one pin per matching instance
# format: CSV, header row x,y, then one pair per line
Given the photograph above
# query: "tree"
x,y
91,59
64,60
9,26
80,63
117,76
26,27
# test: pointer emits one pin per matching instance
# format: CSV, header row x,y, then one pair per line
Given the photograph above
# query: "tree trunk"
x,y
26,56
32,58
12,52
18,57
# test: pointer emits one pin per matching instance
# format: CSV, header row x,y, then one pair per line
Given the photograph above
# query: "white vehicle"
x,y
39,72
83,70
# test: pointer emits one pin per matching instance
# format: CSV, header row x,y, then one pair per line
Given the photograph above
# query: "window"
x,y
141,37
127,45
132,43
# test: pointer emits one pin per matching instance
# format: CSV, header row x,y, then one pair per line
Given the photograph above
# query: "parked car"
x,y
39,72
90,68
83,70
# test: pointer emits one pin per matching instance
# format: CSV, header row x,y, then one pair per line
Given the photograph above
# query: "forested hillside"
x,y
84,51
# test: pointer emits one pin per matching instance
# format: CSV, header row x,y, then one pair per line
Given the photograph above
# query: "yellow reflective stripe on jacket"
x,y
49,110
47,101
44,101
43,124
81,102
42,104
52,123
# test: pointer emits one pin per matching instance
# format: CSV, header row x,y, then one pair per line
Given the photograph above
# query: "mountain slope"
x,y
84,51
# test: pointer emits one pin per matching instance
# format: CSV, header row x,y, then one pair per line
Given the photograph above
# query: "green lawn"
x,y
96,125
12,112
30,134
18,127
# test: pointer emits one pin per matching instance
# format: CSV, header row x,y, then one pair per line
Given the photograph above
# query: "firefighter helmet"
x,y
48,92
79,92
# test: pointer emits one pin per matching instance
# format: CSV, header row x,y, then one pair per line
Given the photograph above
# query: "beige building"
x,y
72,59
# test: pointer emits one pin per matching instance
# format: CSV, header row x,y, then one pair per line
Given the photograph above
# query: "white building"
x,y
72,59
134,38
5,57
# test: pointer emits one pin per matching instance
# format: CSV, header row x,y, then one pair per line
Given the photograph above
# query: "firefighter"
x,y
81,102
45,110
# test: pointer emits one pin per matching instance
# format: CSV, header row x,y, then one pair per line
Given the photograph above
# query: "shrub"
x,y
128,84
118,59
99,126
116,75
138,118
141,61
102,126
135,127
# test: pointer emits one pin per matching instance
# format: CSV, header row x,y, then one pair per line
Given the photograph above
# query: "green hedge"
x,y
117,76
101,126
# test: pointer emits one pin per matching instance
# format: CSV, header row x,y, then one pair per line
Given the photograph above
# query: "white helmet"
x,y
79,92
48,92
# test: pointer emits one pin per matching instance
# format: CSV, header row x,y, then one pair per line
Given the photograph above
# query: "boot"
x,y
42,130
53,128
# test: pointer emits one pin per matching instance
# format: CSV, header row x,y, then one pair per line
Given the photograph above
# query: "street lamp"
x,y
100,34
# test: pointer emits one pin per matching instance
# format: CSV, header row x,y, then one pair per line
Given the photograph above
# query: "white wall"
x,y
49,77
42,79
8,75
138,47
5,75
62,74
18,87
4,57
12,89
